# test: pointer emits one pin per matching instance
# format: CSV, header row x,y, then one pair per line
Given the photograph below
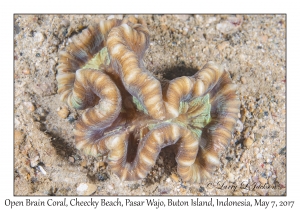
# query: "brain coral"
x,y
130,117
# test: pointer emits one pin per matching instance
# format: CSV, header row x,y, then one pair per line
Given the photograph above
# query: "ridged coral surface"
x,y
130,117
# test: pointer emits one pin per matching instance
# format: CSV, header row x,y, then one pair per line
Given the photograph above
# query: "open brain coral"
x,y
130,117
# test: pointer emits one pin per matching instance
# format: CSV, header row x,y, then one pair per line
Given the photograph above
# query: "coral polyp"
x,y
130,117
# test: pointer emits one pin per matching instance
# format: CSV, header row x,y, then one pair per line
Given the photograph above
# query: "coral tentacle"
x,y
126,46
149,149
89,83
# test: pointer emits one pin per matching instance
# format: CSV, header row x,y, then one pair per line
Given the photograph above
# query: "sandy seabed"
x,y
252,51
